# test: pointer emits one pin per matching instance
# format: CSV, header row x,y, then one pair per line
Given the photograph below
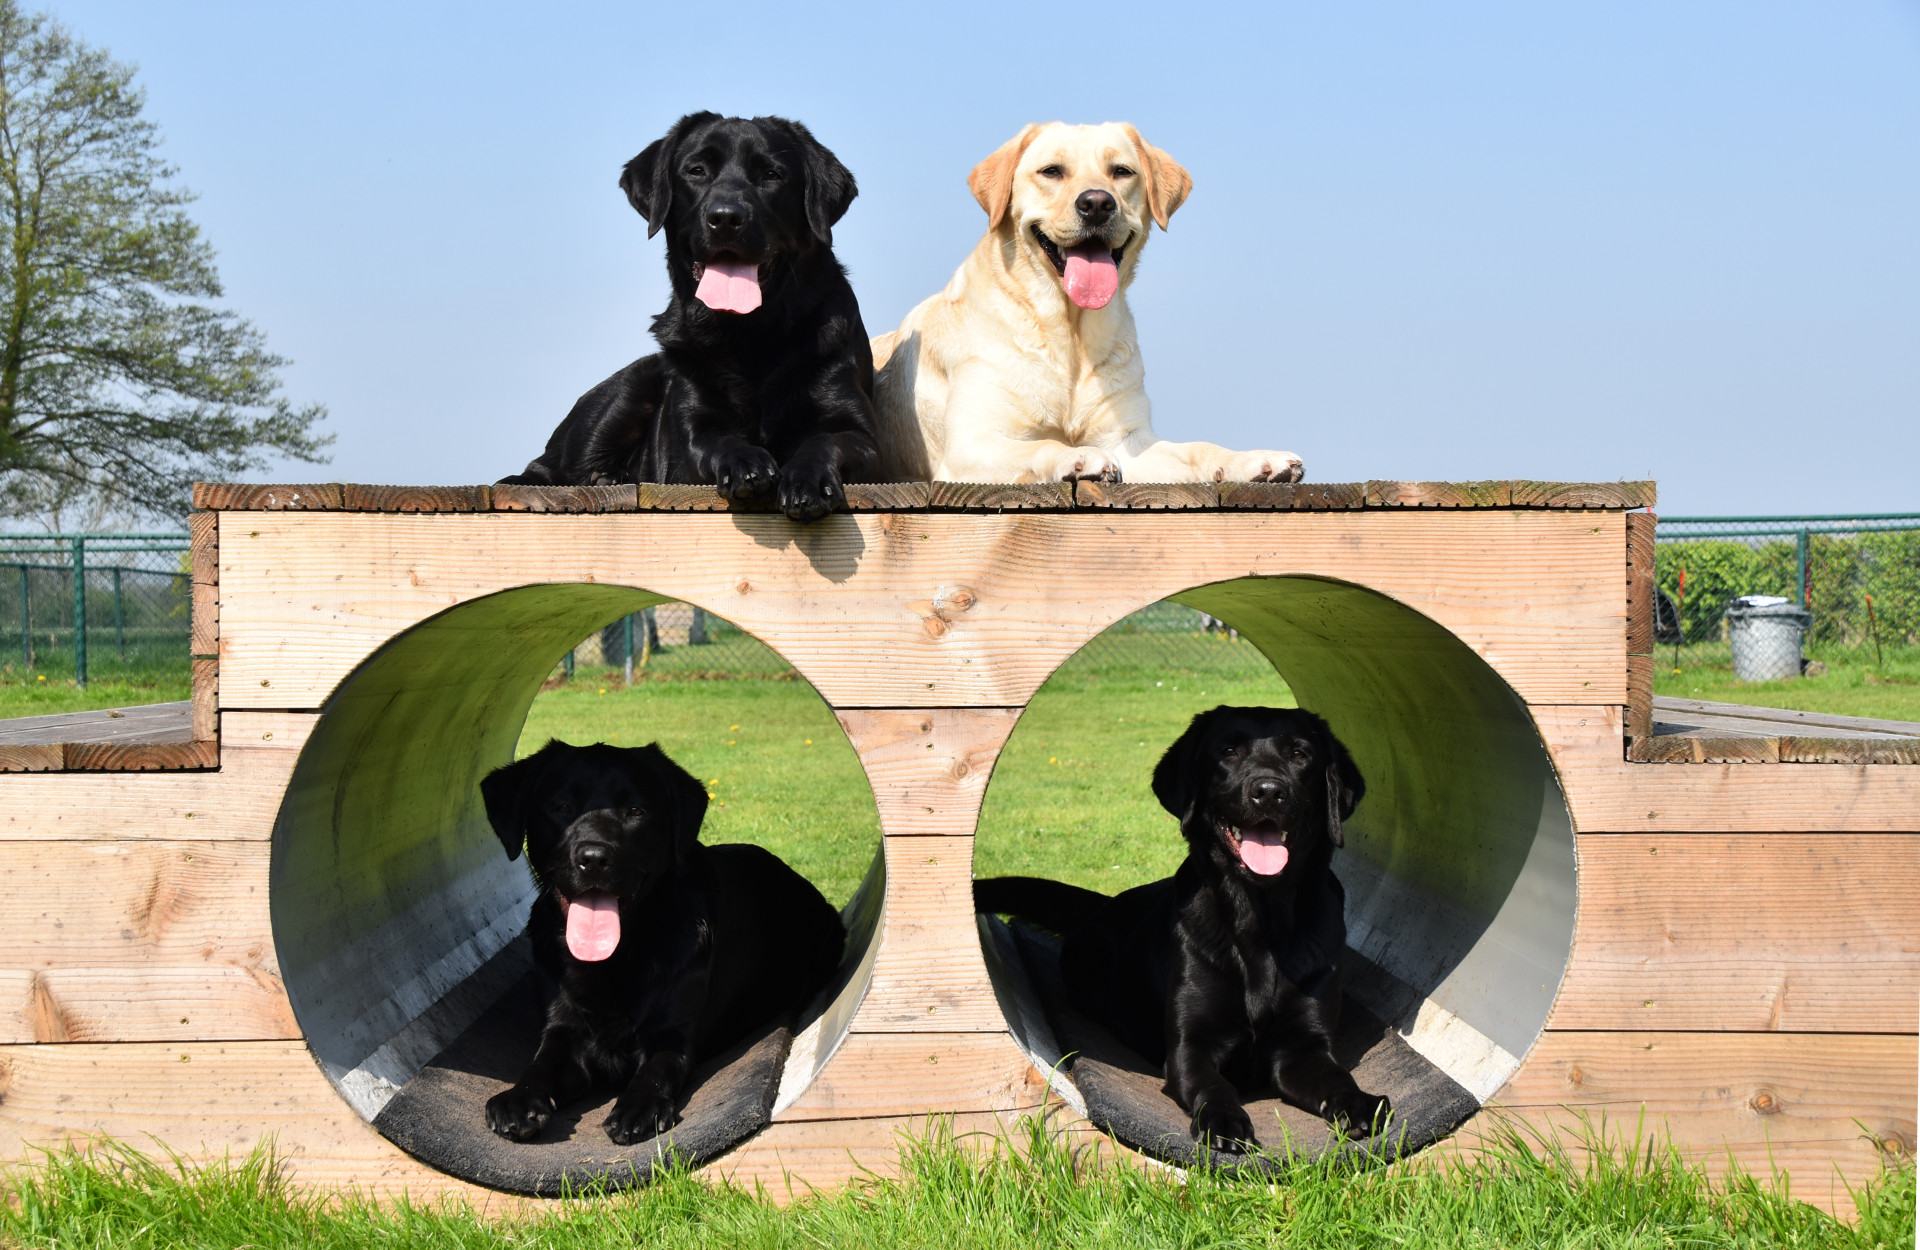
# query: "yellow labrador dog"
x,y
1025,369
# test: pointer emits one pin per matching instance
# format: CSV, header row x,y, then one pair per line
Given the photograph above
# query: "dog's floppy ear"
x,y
1345,786
1168,183
687,796
830,185
504,791
648,177
992,179
1178,776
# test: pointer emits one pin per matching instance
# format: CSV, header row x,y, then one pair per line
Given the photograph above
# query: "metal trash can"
x,y
1766,633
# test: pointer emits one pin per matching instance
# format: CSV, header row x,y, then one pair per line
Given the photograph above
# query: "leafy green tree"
x,y
119,382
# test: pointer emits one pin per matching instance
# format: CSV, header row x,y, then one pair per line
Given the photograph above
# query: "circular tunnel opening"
x,y
1458,867
399,919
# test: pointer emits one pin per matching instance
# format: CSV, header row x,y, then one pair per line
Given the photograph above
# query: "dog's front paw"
x,y
519,1114
809,492
1084,464
1357,1112
1260,466
1221,1123
745,473
636,1117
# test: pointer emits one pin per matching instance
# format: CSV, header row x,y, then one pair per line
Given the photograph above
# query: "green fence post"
x,y
119,617
80,612
26,619
1802,544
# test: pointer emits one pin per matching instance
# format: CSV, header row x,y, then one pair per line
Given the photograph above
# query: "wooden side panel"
x,y
894,1074
1640,587
1610,795
203,541
257,754
1778,932
929,975
929,766
204,639
138,941
1639,715
206,698
1827,1108
304,599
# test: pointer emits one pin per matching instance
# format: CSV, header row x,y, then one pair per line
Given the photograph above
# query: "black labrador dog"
x,y
664,952
763,385
1229,973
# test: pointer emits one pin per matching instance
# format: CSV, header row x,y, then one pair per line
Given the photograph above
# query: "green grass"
x,y
983,1194
37,692
1849,687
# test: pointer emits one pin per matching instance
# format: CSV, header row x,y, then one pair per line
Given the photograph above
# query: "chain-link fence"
x,y
1856,577
81,606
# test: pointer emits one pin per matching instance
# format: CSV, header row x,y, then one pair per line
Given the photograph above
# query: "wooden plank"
x,y
360,497
999,496
1146,496
1639,710
1809,749
152,722
1795,932
203,542
1640,588
239,801
1584,494
242,497
929,974
1785,720
621,498
139,757
887,496
658,497
1807,1103
890,1074
206,698
36,757
1608,794
204,634
138,941
1294,496
1439,494
1893,751
304,599
205,1101
928,767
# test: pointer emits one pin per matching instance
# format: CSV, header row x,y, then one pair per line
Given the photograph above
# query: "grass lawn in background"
x,y
1849,687
37,693
1037,1197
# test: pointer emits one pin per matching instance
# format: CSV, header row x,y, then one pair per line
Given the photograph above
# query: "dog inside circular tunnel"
x,y
1456,864
401,921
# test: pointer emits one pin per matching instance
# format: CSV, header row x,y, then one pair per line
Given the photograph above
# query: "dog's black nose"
x,y
726,216
1094,207
590,857
1265,792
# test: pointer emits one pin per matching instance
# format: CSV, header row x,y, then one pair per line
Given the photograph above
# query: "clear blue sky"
x,y
1460,240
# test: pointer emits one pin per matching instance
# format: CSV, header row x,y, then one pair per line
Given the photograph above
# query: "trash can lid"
x,y
1771,607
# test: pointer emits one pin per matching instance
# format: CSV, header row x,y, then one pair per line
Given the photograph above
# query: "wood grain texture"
x,y
242,497
1150,496
1639,709
304,599
203,542
928,767
999,496
887,496
1640,588
1799,933
206,698
1805,1103
1439,494
206,1100
892,1074
1709,748
1608,495
239,801
1608,794
31,757
359,497
929,974
204,631
137,757
659,497
622,498
1294,496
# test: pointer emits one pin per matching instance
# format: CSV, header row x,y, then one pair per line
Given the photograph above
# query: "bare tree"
x,y
119,382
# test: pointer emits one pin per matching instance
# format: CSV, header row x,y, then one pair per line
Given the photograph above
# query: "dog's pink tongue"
x,y
1262,851
729,286
593,925
1091,275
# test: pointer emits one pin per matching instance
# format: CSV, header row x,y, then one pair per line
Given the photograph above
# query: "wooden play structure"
x,y
264,917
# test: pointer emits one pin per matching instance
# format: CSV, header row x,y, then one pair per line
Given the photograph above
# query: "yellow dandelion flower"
x,y
809,741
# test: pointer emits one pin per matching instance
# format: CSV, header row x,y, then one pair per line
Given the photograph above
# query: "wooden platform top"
x,y
1692,731
148,723
936,497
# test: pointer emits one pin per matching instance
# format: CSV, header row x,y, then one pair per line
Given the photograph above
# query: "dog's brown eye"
x,y
1121,171
696,171
772,175
1052,171
636,813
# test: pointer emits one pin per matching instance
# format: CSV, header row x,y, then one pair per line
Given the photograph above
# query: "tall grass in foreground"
x,y
974,1193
